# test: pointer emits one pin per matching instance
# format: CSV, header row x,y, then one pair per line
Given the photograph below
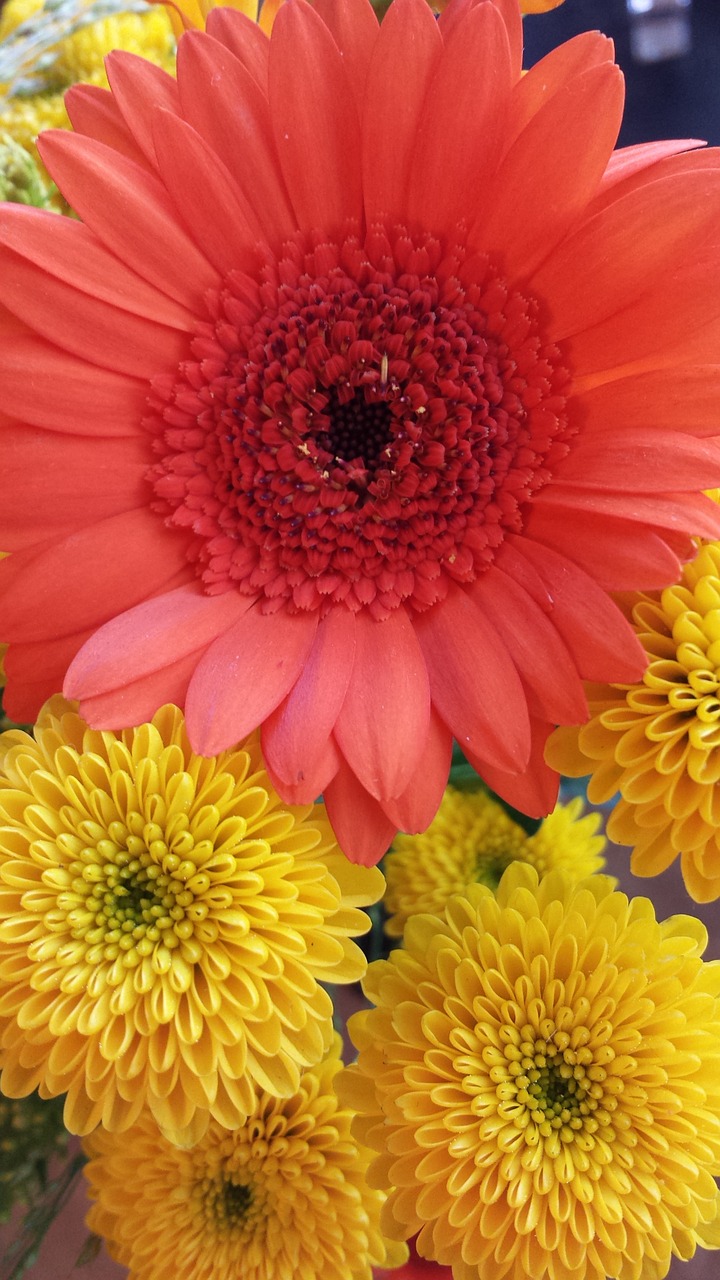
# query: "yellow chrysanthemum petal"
x,y
657,742
539,1081
473,839
165,923
282,1197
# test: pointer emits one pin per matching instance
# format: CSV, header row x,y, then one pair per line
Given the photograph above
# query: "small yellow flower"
x,y
539,1081
473,839
165,924
282,1197
657,742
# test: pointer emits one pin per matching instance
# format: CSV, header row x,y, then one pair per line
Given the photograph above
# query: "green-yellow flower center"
x,y
131,886
555,1087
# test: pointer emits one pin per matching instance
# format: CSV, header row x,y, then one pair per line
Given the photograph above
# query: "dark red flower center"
x,y
364,423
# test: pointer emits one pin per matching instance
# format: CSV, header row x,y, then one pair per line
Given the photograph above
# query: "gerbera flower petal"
x,y
236,917
94,111
474,683
533,791
74,494
64,248
461,125
102,334
102,564
180,622
139,88
353,25
628,164
315,121
403,63
245,38
135,220
194,175
589,106
245,674
638,459
415,807
383,724
621,549
299,729
672,215
107,404
137,700
542,659
36,670
243,139
596,639
360,823
550,74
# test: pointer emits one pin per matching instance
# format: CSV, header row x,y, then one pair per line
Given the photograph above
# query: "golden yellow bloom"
x,y
165,923
282,1197
78,56
473,839
188,14
540,1081
657,742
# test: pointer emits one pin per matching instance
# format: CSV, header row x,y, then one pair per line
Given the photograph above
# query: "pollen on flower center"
x,y
362,424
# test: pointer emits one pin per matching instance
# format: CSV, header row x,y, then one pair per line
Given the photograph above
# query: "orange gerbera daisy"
x,y
307,428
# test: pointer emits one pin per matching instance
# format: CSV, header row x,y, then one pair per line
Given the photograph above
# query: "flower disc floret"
x,y
283,1195
473,840
362,426
539,1080
165,923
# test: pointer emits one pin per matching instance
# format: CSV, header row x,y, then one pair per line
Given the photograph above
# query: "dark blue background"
x,y
675,99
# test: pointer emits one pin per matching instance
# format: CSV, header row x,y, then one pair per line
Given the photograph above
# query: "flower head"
x,y
283,1195
657,741
294,385
473,839
165,923
539,1080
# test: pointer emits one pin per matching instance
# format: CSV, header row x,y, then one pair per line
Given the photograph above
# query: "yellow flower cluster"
x,y
473,839
539,1082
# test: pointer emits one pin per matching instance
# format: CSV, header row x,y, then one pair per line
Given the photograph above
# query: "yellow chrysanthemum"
x,y
283,1197
165,922
657,742
540,1080
472,839
78,56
